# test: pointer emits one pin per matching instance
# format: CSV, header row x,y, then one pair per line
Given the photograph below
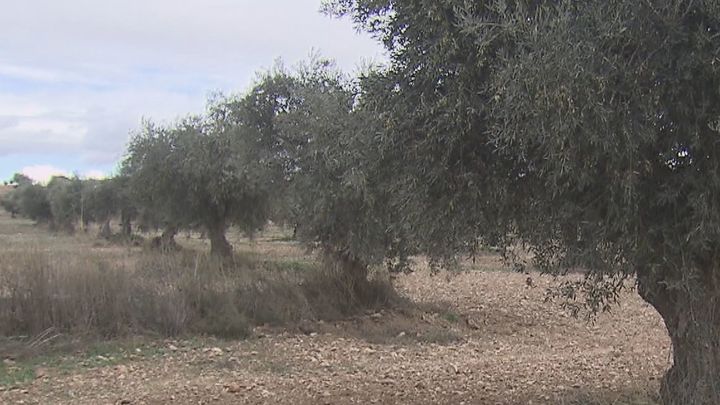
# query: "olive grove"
x,y
581,135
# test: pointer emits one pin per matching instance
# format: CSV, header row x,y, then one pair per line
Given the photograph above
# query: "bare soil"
x,y
478,337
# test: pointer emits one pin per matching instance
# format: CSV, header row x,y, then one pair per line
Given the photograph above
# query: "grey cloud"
x,y
40,142
214,35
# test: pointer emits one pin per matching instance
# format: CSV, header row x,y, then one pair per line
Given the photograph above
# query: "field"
x,y
481,336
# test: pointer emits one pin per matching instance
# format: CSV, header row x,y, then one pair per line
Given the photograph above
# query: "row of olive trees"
x,y
65,202
297,148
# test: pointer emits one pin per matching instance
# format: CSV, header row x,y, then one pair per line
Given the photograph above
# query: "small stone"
x,y
41,372
234,388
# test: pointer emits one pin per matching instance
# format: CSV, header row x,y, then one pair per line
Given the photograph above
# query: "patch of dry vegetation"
x,y
167,294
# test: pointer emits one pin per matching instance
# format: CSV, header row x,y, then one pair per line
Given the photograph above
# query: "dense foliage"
x,y
29,200
66,203
324,136
586,131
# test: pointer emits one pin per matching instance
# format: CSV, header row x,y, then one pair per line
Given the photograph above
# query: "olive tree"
x,y
66,205
198,173
102,202
324,138
11,200
10,203
586,130
32,201
20,179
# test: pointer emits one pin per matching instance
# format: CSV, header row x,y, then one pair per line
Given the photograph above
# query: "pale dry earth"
x,y
511,347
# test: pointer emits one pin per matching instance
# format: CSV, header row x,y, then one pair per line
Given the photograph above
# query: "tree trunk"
x,y
691,311
126,224
167,238
166,241
105,230
352,274
218,243
127,228
357,271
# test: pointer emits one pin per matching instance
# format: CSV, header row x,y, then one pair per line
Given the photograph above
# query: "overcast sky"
x,y
76,76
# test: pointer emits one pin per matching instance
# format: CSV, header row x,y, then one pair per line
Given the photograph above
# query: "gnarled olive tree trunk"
x,y
166,241
219,244
105,230
351,275
691,311
126,219
167,238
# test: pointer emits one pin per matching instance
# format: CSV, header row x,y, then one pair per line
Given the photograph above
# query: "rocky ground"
x,y
475,338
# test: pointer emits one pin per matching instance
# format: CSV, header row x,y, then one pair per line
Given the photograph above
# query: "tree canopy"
x,y
199,172
66,203
324,135
586,131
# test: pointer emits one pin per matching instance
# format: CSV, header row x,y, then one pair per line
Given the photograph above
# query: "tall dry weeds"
x,y
166,294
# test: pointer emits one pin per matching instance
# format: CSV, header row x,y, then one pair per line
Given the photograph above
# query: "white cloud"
x,y
43,173
94,174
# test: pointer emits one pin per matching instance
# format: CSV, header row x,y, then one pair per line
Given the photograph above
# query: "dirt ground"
x,y
483,338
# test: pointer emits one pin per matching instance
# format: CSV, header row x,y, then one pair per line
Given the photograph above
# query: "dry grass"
x,y
163,294
77,285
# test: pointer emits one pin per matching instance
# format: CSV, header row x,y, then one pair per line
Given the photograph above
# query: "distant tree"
x,y
102,202
127,209
27,199
198,172
65,197
32,202
21,179
10,202
587,131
